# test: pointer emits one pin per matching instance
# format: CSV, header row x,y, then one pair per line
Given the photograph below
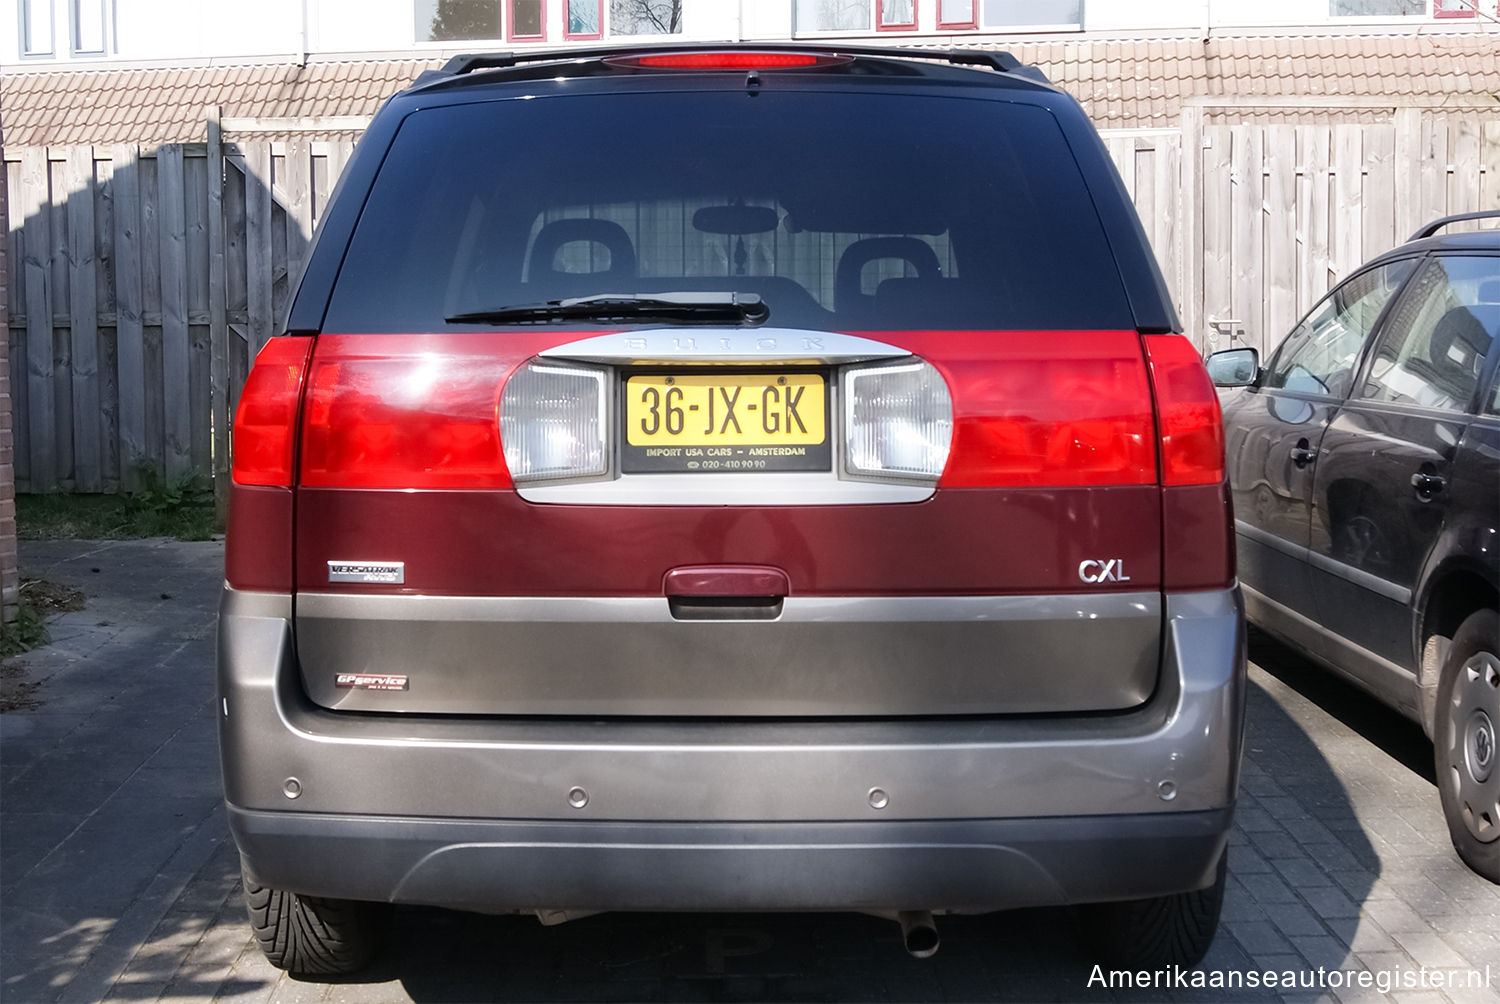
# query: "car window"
x,y
802,198
1432,351
1318,356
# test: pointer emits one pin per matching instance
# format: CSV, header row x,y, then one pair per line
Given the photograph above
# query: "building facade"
x,y
56,33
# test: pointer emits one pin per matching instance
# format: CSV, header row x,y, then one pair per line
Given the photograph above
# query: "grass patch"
x,y
184,510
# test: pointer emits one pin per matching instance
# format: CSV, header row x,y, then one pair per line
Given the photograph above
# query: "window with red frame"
x,y
585,19
895,15
1453,8
528,19
957,14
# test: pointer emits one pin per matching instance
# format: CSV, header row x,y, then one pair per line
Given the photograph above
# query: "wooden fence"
x,y
157,273
1256,227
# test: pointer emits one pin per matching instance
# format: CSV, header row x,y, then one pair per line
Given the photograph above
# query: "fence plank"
x,y
1221,325
297,186
36,209
1188,208
1249,232
151,348
176,364
16,341
1379,225
104,260
1489,156
258,277
1317,277
88,475
1281,252
1348,229
129,335
1463,183
1434,161
1408,171
1167,182
218,320
200,351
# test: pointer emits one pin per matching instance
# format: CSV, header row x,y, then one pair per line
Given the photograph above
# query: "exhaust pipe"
x,y
918,933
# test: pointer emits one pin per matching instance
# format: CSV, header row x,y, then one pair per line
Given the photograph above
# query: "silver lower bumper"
x,y
491,813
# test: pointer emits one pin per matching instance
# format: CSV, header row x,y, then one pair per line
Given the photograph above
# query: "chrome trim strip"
x,y
796,609
754,489
1388,681
1270,540
1361,578
699,346
1374,583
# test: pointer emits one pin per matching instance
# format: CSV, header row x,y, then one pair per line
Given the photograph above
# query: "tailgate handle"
x,y
725,592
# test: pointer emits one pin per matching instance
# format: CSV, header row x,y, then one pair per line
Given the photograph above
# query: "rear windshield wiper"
x,y
691,308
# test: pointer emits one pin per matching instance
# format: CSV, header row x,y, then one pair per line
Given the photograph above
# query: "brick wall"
x,y
10,579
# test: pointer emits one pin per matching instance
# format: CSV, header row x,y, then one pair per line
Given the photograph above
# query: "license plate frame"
x,y
756,400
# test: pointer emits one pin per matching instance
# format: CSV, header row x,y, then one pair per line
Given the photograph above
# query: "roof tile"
x,y
1123,84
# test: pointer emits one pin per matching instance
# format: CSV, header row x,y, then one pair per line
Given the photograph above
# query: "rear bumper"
x,y
979,814
958,866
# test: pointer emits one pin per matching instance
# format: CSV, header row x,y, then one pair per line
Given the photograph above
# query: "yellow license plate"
x,y
726,422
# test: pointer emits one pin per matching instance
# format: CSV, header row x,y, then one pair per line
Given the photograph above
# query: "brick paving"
x,y
118,880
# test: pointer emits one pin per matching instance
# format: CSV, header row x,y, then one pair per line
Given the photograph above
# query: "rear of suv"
x,y
732,479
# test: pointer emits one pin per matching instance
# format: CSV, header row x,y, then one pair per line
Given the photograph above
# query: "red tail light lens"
x,y
265,422
404,422
407,419
1192,429
1049,409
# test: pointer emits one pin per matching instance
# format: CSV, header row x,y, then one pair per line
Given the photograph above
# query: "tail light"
x,y
553,422
265,423
898,421
409,418
258,550
1053,409
1197,536
1192,430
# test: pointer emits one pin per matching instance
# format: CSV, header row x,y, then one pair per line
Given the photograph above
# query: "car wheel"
x,y
1464,736
1156,933
308,935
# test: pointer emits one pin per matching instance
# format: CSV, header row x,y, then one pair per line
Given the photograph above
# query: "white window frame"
x,y
26,14
76,10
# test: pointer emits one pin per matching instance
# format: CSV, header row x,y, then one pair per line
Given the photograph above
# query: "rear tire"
x,y
1156,933
1464,742
311,936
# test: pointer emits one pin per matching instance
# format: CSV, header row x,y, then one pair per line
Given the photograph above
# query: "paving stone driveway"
x,y
118,880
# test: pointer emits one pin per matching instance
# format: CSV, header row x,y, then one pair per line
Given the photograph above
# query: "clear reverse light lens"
x,y
552,423
898,421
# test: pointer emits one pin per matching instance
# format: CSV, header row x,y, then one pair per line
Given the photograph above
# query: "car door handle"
x,y
1302,455
1428,484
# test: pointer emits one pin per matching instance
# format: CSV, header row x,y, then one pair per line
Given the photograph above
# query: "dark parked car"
x,y
744,479
1365,461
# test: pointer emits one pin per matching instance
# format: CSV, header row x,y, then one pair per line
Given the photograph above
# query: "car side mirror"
x,y
1234,367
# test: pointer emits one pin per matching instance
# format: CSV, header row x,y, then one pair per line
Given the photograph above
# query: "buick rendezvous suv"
x,y
736,479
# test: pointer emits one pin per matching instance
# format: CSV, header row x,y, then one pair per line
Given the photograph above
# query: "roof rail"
x,y
1436,225
995,59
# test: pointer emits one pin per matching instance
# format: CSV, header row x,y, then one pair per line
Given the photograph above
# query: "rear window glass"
x,y
843,211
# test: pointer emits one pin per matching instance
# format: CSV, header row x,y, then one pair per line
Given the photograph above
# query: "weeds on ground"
x,y
27,631
183,508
